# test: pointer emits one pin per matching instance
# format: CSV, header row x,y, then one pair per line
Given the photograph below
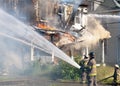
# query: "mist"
x,y
13,54
93,33
16,42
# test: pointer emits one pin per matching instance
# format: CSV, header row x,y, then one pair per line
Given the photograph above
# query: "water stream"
x,y
16,36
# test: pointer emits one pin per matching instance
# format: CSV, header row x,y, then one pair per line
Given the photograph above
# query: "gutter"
x,y
107,11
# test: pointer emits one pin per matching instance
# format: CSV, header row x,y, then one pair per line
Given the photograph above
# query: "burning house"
x,y
85,27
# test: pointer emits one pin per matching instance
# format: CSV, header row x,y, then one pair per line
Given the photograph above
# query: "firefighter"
x,y
92,72
83,64
116,75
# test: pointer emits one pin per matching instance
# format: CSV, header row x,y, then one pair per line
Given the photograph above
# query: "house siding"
x,y
112,24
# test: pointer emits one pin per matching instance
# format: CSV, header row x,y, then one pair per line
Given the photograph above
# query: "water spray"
x,y
25,34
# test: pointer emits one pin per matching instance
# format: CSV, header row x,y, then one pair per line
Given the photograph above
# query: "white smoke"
x,y
16,41
11,55
93,33
90,36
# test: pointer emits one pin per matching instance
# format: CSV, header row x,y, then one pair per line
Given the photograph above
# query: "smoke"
x,y
16,42
92,34
72,1
46,10
12,56
95,28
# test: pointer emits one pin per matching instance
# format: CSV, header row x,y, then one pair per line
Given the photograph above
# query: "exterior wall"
x,y
112,45
112,24
111,56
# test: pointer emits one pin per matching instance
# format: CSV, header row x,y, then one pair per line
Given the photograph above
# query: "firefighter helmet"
x,y
91,54
117,66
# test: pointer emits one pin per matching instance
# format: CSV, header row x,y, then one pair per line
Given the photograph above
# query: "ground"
x,y
36,81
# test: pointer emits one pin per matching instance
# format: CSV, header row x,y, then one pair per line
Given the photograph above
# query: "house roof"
x,y
108,6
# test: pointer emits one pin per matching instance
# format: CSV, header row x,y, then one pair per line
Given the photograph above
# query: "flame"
x,y
45,27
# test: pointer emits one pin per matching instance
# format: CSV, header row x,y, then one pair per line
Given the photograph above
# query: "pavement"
x,y
36,81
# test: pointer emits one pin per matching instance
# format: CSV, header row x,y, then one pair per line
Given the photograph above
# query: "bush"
x,y
36,68
66,71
